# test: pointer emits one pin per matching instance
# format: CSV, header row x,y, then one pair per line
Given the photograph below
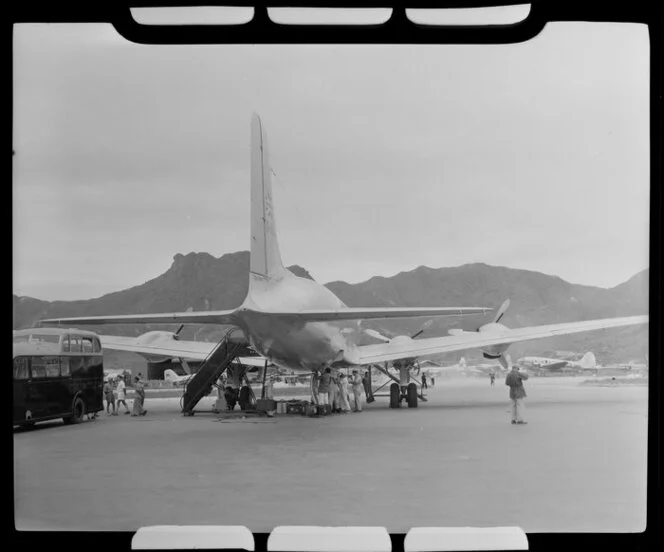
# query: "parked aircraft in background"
x,y
587,363
171,377
633,366
299,324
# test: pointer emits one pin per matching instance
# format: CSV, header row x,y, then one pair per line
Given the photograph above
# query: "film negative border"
x,y
328,539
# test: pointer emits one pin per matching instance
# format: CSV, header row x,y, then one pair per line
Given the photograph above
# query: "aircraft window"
x,y
97,345
87,344
52,367
38,367
65,344
21,371
74,344
64,366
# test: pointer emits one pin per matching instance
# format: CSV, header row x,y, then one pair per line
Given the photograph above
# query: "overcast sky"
x,y
530,156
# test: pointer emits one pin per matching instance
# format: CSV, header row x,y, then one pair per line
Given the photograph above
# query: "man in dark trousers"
x,y
517,393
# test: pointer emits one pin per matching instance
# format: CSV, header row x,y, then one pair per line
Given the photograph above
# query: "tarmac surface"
x,y
578,466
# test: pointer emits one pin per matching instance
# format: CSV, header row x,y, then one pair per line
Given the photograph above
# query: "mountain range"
x,y
200,281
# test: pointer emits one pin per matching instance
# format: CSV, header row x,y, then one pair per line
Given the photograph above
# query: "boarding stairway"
x,y
219,359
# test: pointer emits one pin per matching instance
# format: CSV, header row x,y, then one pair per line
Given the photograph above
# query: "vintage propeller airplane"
x,y
299,324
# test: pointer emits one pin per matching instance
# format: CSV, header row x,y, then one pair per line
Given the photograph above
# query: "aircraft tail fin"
x,y
265,258
170,375
588,361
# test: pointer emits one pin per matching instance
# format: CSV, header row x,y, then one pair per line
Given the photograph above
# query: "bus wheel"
x,y
395,395
412,395
79,411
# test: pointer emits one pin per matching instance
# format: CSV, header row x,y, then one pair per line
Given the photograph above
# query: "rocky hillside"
x,y
202,282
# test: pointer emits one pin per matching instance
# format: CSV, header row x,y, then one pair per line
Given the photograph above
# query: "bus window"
x,y
65,344
52,367
97,345
87,344
21,368
74,344
64,366
38,367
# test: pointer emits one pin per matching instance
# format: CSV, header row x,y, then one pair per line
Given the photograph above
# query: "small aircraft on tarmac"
x,y
171,377
300,325
540,364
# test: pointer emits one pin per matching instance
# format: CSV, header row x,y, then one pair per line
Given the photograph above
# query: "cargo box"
x,y
266,405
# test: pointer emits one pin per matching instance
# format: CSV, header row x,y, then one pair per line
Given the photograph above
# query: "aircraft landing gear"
x,y
400,393
395,396
411,395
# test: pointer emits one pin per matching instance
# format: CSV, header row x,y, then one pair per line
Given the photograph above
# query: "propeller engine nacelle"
x,y
494,352
149,338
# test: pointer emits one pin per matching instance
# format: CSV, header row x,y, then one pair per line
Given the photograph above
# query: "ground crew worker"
x,y
333,394
122,395
424,381
517,393
492,376
357,391
323,389
139,397
233,384
344,399
110,398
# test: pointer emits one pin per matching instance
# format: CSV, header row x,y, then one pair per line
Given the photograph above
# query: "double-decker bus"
x,y
57,374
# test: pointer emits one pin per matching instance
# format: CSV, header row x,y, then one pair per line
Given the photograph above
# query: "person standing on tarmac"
x,y
344,403
357,391
139,397
110,398
424,381
333,394
492,376
517,393
323,389
122,395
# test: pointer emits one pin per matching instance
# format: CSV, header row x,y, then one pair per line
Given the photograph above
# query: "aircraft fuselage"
x,y
287,341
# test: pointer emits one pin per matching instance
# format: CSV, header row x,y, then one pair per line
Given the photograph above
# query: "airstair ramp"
x,y
200,385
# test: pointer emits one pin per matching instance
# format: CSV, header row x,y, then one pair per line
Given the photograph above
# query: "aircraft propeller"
x,y
505,360
501,311
378,335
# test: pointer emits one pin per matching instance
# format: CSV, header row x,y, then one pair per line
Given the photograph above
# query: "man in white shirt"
x,y
122,395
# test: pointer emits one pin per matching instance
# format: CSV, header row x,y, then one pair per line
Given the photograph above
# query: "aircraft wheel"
x,y
395,395
412,395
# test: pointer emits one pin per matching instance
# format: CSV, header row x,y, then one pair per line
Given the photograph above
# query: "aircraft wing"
x,y
362,313
370,354
204,317
226,317
176,348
